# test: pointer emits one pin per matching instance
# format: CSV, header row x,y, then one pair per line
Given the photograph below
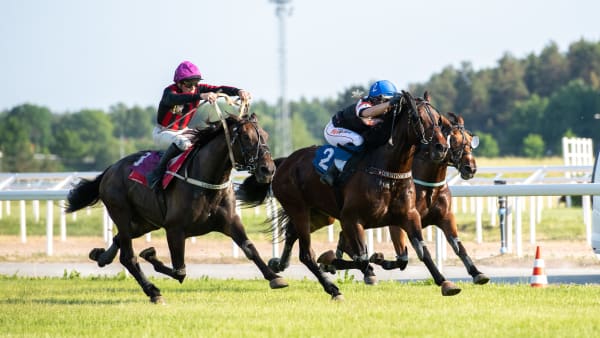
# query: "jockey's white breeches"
x,y
336,136
163,138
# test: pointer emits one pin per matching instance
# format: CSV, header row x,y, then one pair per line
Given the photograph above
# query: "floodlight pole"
x,y
284,122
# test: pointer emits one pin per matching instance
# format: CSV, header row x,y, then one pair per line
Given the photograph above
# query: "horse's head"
x,y
251,152
462,143
427,122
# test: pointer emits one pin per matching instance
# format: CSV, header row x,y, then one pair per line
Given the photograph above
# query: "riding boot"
x,y
330,176
155,176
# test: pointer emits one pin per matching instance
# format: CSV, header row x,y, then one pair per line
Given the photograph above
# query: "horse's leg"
x,y
368,275
149,255
239,236
354,234
176,242
448,225
105,256
129,261
399,240
279,264
416,239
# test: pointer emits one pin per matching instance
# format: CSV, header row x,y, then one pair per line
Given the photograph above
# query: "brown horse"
x,y
200,201
378,192
434,200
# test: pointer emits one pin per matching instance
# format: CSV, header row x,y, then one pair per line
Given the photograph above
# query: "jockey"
x,y
346,126
177,106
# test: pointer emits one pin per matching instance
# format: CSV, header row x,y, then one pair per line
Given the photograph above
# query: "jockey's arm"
x,y
376,110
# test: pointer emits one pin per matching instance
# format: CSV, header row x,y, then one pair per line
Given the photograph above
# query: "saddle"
x,y
149,160
326,155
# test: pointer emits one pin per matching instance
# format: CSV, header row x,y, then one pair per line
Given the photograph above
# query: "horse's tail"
x,y
251,193
279,222
85,193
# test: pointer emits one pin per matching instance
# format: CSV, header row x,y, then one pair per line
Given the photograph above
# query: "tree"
x,y
488,147
526,119
85,140
533,146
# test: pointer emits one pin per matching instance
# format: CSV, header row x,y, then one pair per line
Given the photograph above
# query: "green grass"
x,y
116,307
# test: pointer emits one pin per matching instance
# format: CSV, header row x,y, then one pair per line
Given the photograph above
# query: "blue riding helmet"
x,y
384,89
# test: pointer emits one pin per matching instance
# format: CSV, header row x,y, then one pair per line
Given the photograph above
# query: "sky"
x,y
69,55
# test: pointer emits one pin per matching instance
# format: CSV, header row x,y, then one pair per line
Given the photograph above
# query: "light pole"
x,y
285,142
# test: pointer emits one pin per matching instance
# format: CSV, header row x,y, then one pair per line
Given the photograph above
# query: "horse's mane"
x,y
378,135
203,135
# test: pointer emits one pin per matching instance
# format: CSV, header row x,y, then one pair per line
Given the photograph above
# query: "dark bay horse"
x,y
378,193
434,200
200,201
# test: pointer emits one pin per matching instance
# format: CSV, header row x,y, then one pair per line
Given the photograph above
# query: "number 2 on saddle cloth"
x,y
326,156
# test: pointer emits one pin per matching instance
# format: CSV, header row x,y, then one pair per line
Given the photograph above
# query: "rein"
x,y
250,165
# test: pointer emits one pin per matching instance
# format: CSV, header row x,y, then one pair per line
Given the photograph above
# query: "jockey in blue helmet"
x,y
347,125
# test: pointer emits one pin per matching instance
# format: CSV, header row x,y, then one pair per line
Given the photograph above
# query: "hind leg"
x,y
129,261
122,218
282,263
105,256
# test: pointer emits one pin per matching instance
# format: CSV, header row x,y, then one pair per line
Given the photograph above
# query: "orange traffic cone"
x,y
538,279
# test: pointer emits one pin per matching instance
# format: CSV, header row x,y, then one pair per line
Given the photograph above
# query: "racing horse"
x,y
434,199
379,192
433,203
200,201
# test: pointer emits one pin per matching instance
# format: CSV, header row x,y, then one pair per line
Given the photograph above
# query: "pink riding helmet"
x,y
186,70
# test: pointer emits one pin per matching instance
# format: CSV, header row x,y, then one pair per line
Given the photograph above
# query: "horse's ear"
x,y
454,117
253,118
426,96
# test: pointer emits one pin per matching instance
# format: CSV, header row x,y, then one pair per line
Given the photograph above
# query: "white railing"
x,y
476,188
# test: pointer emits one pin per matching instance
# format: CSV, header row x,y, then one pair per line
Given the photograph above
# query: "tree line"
x,y
520,107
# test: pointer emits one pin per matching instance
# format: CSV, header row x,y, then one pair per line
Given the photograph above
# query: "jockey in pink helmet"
x,y
177,108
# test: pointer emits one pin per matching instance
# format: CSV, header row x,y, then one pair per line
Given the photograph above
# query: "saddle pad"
x,y
326,154
149,160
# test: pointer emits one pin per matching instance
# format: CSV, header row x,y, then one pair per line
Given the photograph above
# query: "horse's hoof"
x,y
326,258
377,258
274,264
148,254
402,264
449,289
338,298
278,283
481,279
157,300
95,254
370,280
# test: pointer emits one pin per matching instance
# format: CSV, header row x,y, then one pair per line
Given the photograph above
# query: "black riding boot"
x,y
330,176
155,176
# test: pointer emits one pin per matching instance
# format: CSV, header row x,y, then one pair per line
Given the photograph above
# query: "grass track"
x,y
99,307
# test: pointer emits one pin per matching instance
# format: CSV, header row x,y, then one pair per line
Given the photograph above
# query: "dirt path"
x,y
557,254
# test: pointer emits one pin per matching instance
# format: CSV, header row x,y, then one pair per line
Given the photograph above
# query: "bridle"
x,y
457,153
250,156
